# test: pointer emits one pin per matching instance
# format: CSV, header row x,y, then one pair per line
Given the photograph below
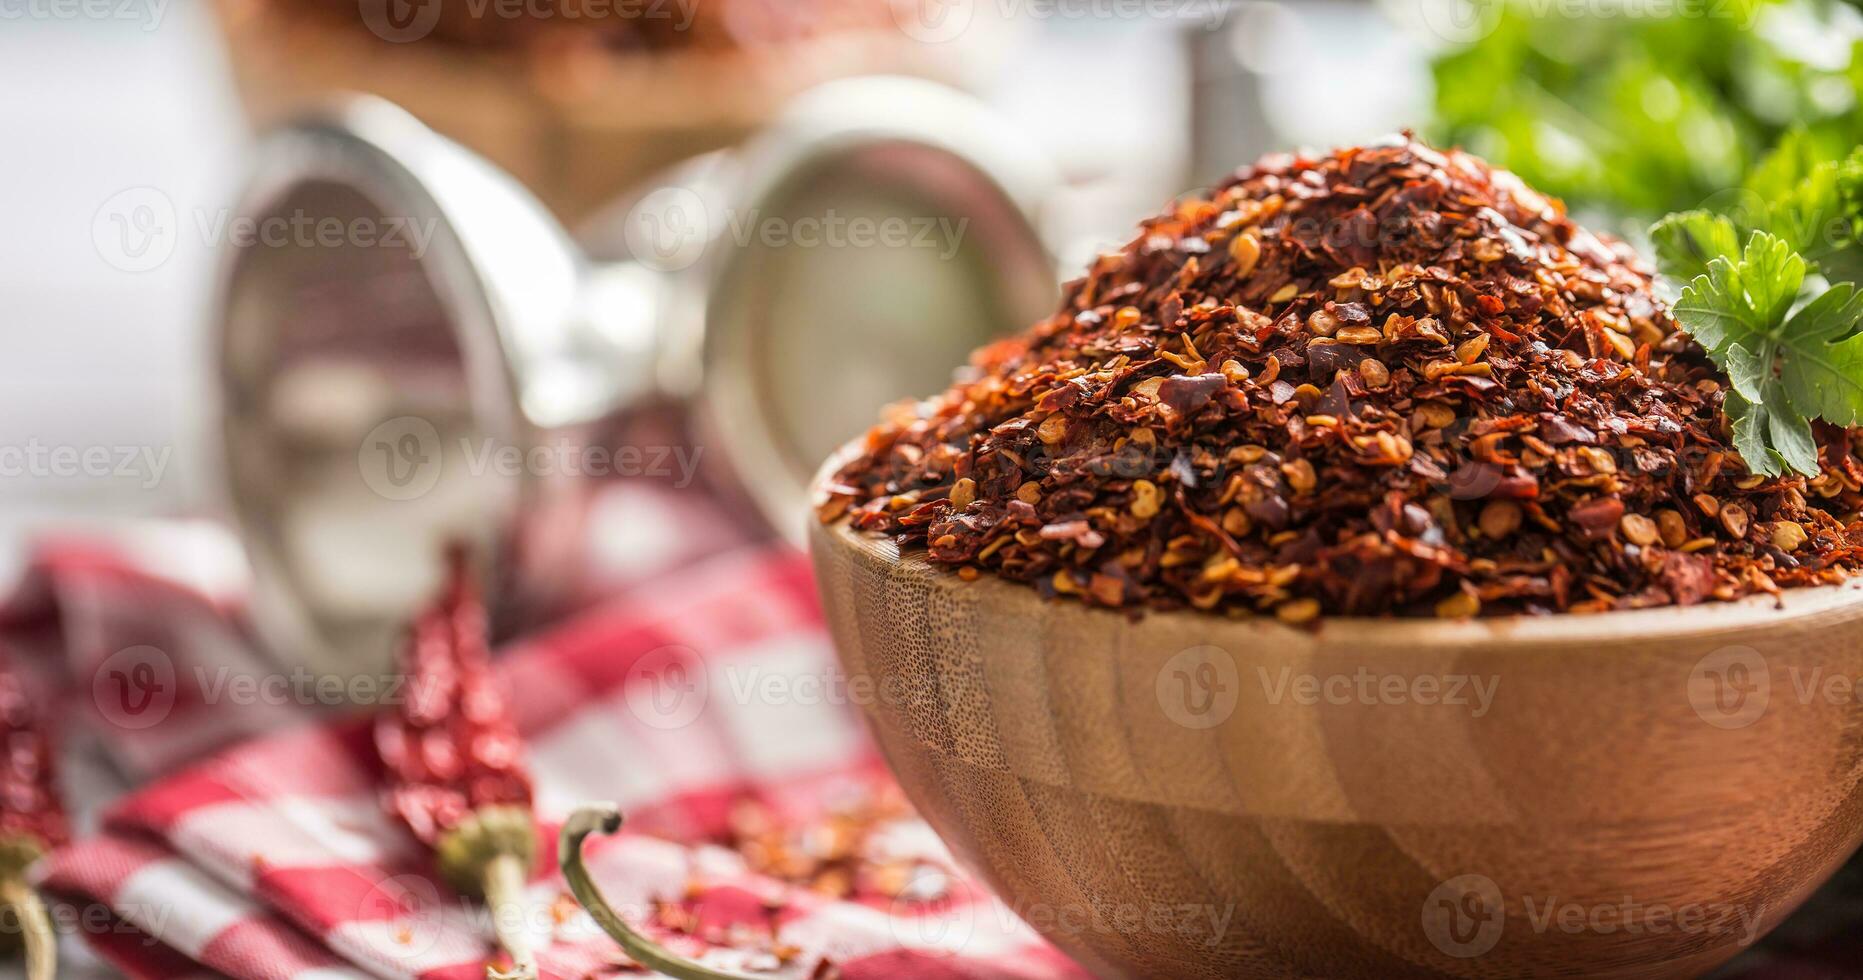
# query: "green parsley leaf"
x,y
1742,302
1822,367
1785,367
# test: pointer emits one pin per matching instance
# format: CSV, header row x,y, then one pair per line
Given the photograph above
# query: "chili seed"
x,y
1787,535
1462,605
1362,336
1499,519
1145,499
1299,475
1296,611
1470,350
1639,530
963,492
1246,250
1674,530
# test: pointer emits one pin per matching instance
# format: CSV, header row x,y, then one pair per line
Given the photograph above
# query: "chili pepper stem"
x,y
504,900
35,924
606,818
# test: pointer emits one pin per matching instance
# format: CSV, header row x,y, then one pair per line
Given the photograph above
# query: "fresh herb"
x,y
1789,362
1780,314
1804,193
1636,115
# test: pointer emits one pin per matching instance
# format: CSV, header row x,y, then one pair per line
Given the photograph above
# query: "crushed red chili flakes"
x,y
1389,380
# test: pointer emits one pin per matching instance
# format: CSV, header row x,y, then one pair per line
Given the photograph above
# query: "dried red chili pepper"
x,y
455,762
32,820
605,818
1385,380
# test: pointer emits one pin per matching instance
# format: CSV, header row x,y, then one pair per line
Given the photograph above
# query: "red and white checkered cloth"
x,y
683,697
693,690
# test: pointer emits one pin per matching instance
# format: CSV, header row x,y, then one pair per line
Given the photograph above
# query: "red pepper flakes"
x,y
455,763
32,822
1388,380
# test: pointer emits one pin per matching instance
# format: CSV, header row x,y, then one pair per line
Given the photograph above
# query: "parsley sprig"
x,y
1780,315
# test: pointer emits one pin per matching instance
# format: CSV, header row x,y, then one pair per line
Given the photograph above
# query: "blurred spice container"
x,y
446,365
580,99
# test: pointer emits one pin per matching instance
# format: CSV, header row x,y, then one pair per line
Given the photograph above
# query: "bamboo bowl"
x,y
1637,794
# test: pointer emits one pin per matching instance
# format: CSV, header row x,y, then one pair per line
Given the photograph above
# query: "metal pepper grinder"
x,y
409,346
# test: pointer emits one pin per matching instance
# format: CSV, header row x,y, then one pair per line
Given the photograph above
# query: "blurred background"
x,y
132,128
134,122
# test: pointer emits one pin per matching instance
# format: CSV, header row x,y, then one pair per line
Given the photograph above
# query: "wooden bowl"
x,y
1635,794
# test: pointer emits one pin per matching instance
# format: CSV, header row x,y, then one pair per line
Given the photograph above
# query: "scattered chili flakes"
x,y
1399,373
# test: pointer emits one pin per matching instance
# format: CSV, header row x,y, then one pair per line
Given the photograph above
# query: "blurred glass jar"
x,y
409,344
582,99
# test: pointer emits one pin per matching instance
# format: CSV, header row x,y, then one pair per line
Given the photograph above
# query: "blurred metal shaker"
x,y
401,322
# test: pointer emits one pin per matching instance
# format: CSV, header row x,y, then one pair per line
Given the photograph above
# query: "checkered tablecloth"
x,y
258,849
696,691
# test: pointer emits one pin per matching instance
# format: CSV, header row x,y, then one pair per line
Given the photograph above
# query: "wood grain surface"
x,y
1637,794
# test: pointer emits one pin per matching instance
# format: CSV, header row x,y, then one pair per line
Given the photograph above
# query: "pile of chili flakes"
x,y
1391,380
